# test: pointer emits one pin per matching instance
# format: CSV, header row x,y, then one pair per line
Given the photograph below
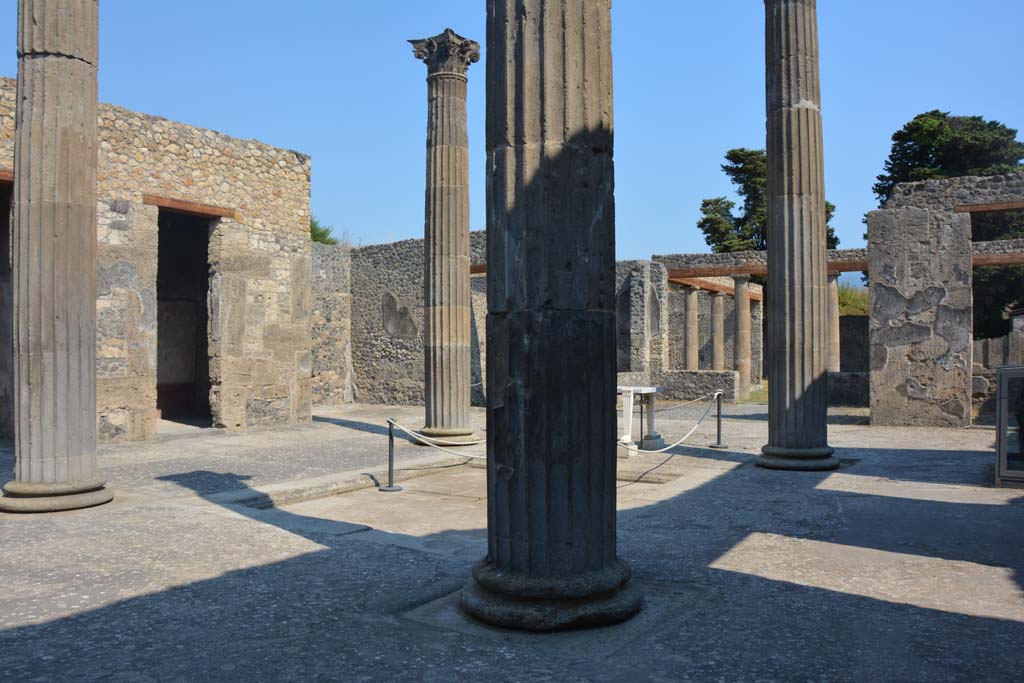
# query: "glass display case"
x,y
1009,448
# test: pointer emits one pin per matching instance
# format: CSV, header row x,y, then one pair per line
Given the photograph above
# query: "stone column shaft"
x,y
718,331
692,329
797,315
551,357
446,296
741,302
834,346
53,245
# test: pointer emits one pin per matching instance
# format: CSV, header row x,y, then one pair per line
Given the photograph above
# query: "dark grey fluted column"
x,y
797,297
446,237
718,331
551,420
692,329
53,244
741,301
834,350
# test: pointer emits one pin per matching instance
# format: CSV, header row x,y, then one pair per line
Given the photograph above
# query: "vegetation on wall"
x,y
938,145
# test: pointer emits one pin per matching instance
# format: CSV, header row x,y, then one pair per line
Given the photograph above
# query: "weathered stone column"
x,y
53,245
692,329
797,315
446,256
718,331
551,358
834,348
741,302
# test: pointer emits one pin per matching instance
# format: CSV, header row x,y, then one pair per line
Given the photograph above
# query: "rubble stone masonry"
x,y
259,300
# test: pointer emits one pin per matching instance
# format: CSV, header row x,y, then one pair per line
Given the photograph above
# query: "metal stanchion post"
x,y
719,445
391,488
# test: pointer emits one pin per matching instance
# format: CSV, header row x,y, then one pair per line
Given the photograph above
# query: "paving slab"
x,y
903,565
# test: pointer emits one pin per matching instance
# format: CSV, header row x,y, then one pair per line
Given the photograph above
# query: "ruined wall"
x,y
943,196
259,299
920,265
387,322
920,253
641,317
332,325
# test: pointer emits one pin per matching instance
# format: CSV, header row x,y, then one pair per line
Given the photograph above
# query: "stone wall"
x,y
681,385
387,322
946,195
332,325
921,306
920,253
259,300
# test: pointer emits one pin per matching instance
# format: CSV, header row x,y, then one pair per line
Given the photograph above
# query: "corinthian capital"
x,y
447,52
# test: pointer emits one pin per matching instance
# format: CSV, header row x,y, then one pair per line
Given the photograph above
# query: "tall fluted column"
x,y
741,302
718,331
551,420
53,244
692,329
797,316
834,348
446,237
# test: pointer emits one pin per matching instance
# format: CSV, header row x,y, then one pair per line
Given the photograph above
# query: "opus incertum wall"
x,y
259,298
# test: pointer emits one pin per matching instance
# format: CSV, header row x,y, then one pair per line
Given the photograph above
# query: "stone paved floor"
x,y
904,565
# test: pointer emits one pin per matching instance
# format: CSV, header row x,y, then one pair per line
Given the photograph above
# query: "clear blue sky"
x,y
336,79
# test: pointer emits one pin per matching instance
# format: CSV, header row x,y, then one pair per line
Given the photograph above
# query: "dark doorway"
x,y
182,282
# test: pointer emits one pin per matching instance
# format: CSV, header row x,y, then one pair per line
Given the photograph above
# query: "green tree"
x,y
938,145
725,230
320,233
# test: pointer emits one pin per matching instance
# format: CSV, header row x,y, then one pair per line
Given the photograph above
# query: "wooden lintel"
x,y
6,175
990,208
478,269
999,259
712,286
190,208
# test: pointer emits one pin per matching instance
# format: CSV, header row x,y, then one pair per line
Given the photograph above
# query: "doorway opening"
x,y
182,285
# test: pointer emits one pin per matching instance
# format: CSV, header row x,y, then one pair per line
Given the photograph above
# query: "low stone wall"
x,y
681,385
995,353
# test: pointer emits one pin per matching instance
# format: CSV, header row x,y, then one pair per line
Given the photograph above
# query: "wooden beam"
x,y
6,176
190,208
712,286
999,259
990,208
478,269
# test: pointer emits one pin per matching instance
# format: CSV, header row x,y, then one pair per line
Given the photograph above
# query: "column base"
x,y
453,437
529,611
798,459
28,498
652,442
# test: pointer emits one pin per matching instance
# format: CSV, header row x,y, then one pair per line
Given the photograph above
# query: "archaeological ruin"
x,y
162,273
203,276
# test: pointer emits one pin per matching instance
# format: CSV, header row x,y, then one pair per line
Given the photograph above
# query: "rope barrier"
x,y
427,441
666,449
